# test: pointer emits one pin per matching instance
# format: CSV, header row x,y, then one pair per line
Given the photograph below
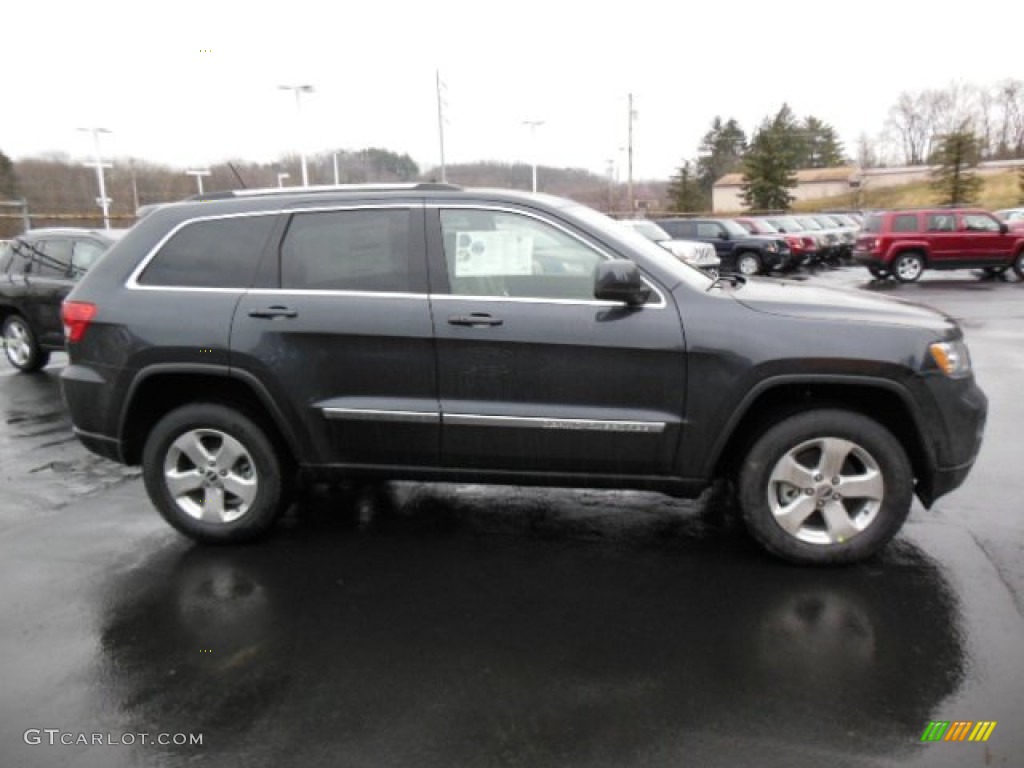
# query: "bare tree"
x,y
909,123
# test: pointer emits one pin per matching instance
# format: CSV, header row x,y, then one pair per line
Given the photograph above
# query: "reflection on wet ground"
x,y
468,626
41,461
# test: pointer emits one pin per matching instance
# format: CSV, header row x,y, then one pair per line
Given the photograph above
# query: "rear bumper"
x,y
868,259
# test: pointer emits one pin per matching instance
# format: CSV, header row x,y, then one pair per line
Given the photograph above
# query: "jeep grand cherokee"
x,y
430,332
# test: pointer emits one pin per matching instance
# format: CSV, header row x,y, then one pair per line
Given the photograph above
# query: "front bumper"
x,y
957,431
868,259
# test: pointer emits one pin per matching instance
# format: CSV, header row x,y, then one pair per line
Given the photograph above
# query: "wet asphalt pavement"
x,y
416,625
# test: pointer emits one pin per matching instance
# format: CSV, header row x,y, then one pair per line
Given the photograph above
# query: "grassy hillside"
x,y
1000,191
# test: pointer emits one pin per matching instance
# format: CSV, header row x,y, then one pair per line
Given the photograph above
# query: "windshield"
x,y
655,253
809,223
788,224
648,229
733,228
766,227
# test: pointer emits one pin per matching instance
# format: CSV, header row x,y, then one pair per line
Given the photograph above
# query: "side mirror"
x,y
723,235
1003,227
620,280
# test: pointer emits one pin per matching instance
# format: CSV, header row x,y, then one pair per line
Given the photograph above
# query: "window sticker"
x,y
483,253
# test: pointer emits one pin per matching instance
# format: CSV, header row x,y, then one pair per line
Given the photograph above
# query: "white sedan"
x,y
699,255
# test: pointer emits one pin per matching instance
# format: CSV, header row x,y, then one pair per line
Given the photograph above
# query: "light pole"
x,y
441,104
533,136
629,182
281,177
199,178
337,179
103,201
300,89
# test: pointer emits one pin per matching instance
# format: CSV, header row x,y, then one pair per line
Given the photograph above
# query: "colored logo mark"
x,y
958,730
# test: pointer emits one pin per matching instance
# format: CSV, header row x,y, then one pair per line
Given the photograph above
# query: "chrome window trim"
x,y
132,283
437,206
546,422
373,414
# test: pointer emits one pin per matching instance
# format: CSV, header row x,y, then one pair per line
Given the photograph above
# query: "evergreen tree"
x,y
684,192
770,162
820,147
957,155
721,152
8,181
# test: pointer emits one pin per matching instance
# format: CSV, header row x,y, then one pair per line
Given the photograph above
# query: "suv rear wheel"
x,y
908,266
213,474
21,347
825,486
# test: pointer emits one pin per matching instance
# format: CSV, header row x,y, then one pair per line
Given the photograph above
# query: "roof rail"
x,y
421,186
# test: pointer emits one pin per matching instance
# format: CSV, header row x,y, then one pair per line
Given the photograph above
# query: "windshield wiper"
x,y
727,276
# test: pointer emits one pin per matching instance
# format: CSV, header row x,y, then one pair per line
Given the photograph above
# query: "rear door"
x,y
535,374
949,248
342,337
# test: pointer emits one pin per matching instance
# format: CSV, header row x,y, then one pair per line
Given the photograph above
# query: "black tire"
x,y
748,263
21,346
877,273
833,526
1018,264
247,471
994,271
908,267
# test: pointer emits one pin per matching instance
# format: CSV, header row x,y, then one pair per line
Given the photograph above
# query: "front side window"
x,y
356,250
497,253
977,222
212,253
941,222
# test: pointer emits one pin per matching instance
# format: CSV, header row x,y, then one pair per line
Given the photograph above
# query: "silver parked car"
x,y
699,255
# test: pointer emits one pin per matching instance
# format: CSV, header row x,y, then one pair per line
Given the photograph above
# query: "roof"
x,y
803,176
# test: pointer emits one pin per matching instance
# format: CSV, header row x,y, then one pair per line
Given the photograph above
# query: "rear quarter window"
x,y
905,222
215,253
873,223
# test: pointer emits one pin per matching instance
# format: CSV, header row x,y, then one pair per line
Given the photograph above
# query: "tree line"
x,y
953,128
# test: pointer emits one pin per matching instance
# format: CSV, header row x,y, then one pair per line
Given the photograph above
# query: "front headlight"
x,y
951,357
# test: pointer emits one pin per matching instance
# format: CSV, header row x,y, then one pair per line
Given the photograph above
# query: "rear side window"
x,y
905,222
873,224
364,250
216,253
52,258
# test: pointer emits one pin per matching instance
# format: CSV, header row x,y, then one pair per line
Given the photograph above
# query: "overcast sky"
x,y
191,83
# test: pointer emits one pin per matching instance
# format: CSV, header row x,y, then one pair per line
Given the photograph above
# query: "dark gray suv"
x,y
427,332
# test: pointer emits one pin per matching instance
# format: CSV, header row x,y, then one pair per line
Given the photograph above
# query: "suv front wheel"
x,y
908,266
213,474
826,486
21,347
748,264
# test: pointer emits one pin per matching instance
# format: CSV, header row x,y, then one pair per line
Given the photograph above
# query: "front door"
x,y
987,244
534,373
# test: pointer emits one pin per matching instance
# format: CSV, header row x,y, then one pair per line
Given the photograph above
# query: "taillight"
x,y
76,316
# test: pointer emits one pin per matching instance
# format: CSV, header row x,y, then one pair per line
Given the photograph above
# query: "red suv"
x,y
905,243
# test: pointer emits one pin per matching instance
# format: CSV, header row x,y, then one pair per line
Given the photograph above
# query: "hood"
x,y
815,303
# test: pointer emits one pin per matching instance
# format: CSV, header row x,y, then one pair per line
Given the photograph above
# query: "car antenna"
x,y
237,175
